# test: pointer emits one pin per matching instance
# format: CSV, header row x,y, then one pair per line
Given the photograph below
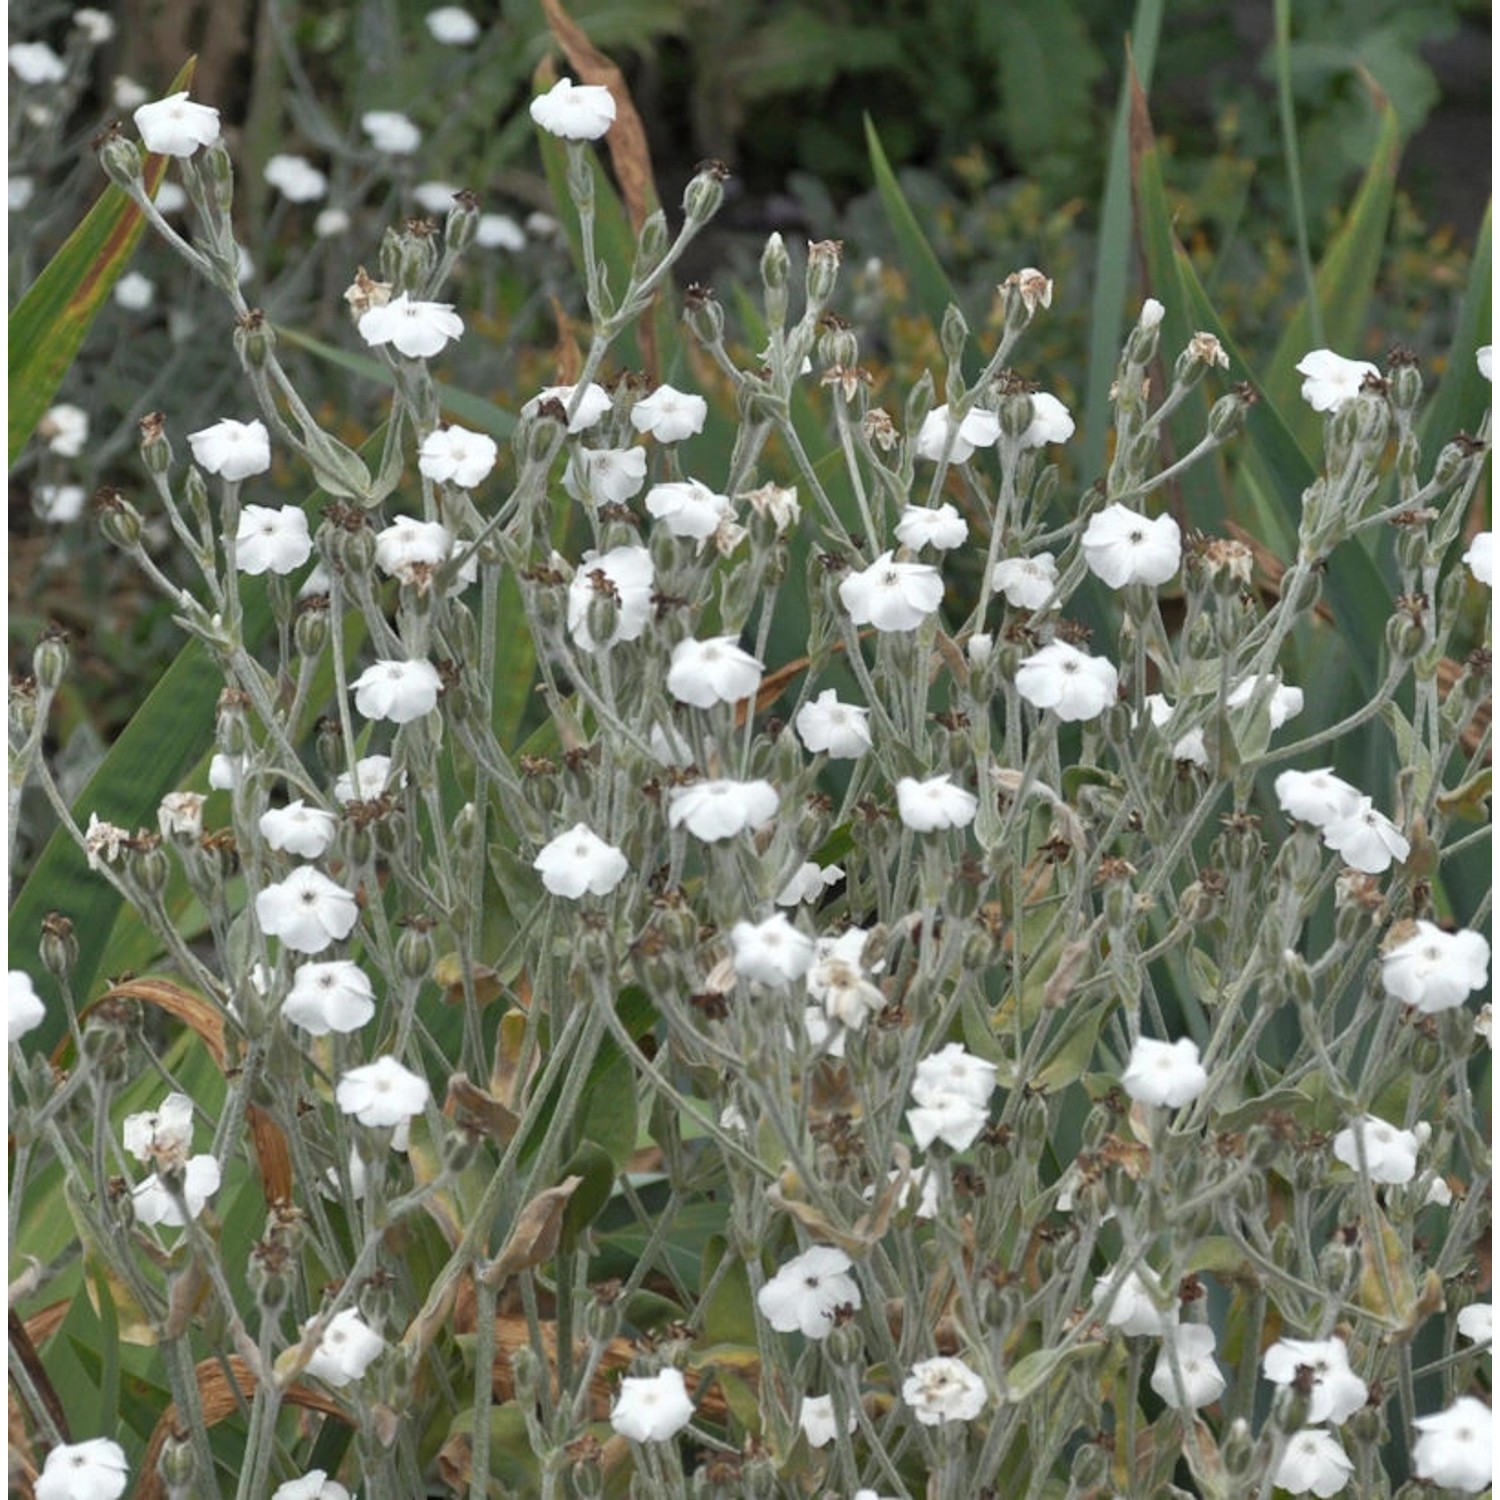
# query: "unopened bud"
x,y
1227,416
652,246
177,1465
1237,1449
310,630
150,867
1404,383
121,160
58,947
823,259
254,339
703,314
156,451
463,222
220,173
1015,416
51,659
414,949
704,193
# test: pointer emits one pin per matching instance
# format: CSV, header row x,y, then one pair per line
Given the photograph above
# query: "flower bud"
x,y
1289,1408
462,223
1404,384
1372,421
838,348
1237,1449
1202,636
254,339
51,659
59,947
310,630
220,174
1015,416
231,727
1090,1469
703,315
704,193
156,451
121,160
652,246
1338,1265
149,867
845,1343
774,268
955,333
823,259
177,1465
1227,416
414,949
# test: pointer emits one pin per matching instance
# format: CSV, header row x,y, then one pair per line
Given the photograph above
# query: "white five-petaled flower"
x,y
1316,797
408,542
837,981
58,504
578,861
65,428
714,810
625,577
1390,1153
232,450
1026,582
24,1010
335,996
1061,677
1476,1322
454,455
390,131
435,197
175,126
978,429
828,727
1281,702
818,1423
1051,422
307,911
347,1348
593,402
499,232
154,1204
923,526
417,329
296,179
314,1485
952,1069
771,952
892,595
93,1470
298,829
382,1093
1331,380
926,806
606,476
397,690
703,673
952,1118
1435,970
1455,1447
574,111
162,1136
1202,1380
1337,1392
669,415
1367,839
688,508
1313,1463
452,25
1132,1307
36,63
369,779
271,541
804,1293
1123,547
651,1409
1479,558
134,292
943,1390
1166,1073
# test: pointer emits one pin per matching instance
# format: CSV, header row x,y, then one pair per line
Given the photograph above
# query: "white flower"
x,y
1316,797
435,197
94,1470
574,111
821,1034
979,429
713,671
162,1136
103,841
374,775
1480,557
1331,379
296,179
155,1205
771,952
335,996
714,810
651,1409
1026,582
1435,970
921,526
233,450
452,25
1202,1380
949,1117
669,415
1313,1462
1152,312
58,504
397,690
953,1070
134,292
36,63
1337,1392
1281,704
837,980
1367,839
816,1419
407,542
66,428
1454,1447
331,222
1133,1310
803,1294
578,861
390,131
1484,357
1122,547
417,329
175,126
1073,685
623,575
605,476
180,814
943,1390
19,191
499,232
935,803
225,772
170,198
1166,1073
687,508
891,595
1051,422
298,829
809,883
271,541
1390,1154
382,1093
314,1485
777,503
1474,1322
24,1009
592,404
839,730
348,1347
307,911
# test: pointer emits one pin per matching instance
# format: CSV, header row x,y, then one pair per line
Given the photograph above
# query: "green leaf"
x,y
595,1166
1463,394
729,1314
50,323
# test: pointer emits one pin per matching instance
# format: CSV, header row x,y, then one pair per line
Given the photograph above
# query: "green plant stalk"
x,y
1288,119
